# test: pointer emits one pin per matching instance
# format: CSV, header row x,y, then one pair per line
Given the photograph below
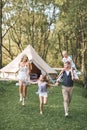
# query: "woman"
x,y
24,77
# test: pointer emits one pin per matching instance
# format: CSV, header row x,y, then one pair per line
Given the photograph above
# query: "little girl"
x,y
42,91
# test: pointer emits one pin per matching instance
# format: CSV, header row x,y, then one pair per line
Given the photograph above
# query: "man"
x,y
67,85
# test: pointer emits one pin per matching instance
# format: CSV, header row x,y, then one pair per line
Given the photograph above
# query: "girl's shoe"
x,y
66,114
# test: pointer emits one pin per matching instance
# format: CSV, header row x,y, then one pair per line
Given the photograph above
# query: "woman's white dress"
x,y
22,73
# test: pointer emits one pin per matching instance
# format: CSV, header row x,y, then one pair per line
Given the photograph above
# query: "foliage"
x,y
29,23
71,32
49,26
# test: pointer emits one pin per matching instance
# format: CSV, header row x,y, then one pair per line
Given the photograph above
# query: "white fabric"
x,y
22,73
75,75
70,60
67,72
11,69
45,94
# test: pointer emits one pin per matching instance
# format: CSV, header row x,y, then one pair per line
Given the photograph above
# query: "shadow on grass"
x,y
2,90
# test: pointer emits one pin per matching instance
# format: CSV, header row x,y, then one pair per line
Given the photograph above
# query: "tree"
x,y
0,33
73,31
29,23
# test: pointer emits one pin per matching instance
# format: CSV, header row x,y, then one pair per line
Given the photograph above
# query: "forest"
x,y
50,26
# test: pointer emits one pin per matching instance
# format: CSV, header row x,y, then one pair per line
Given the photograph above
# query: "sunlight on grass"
x,y
14,116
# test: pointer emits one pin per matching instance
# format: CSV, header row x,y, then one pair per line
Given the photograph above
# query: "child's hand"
x,y
72,77
56,84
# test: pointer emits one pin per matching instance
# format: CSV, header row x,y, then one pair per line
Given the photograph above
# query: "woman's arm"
x,y
18,66
28,69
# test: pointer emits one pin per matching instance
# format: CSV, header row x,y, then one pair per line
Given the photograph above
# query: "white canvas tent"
x,y
38,65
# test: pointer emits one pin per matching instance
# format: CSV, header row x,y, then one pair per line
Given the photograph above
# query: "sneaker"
x,y
20,99
23,102
66,114
41,112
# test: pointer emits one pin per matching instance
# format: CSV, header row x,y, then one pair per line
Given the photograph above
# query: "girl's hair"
x,y
64,52
45,78
24,57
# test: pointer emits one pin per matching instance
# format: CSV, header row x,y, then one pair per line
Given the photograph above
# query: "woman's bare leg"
x,y
21,90
24,94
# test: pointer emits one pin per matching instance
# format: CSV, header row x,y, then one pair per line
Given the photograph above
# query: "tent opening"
x,y
35,72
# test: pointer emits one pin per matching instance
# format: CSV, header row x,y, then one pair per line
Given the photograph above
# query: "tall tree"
x,y
0,33
30,23
73,18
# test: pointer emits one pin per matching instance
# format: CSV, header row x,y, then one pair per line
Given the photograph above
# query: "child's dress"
x,y
42,89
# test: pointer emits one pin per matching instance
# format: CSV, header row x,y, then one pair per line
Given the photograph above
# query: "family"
x,y
68,74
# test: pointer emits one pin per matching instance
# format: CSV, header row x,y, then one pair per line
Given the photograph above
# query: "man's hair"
x,y
68,62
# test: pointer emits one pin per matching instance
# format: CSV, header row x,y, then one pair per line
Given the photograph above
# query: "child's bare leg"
x,y
41,104
72,73
45,100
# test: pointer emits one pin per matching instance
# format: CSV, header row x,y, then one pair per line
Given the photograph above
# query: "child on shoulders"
x,y
73,66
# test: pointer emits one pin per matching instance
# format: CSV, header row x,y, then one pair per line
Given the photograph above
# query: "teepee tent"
x,y
38,65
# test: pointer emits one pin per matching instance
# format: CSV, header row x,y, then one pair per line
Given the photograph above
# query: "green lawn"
x,y
14,116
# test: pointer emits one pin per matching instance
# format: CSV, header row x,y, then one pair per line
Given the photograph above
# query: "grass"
x,y
14,116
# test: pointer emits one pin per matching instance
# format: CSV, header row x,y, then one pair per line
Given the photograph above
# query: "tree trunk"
x,y
59,43
83,61
0,33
